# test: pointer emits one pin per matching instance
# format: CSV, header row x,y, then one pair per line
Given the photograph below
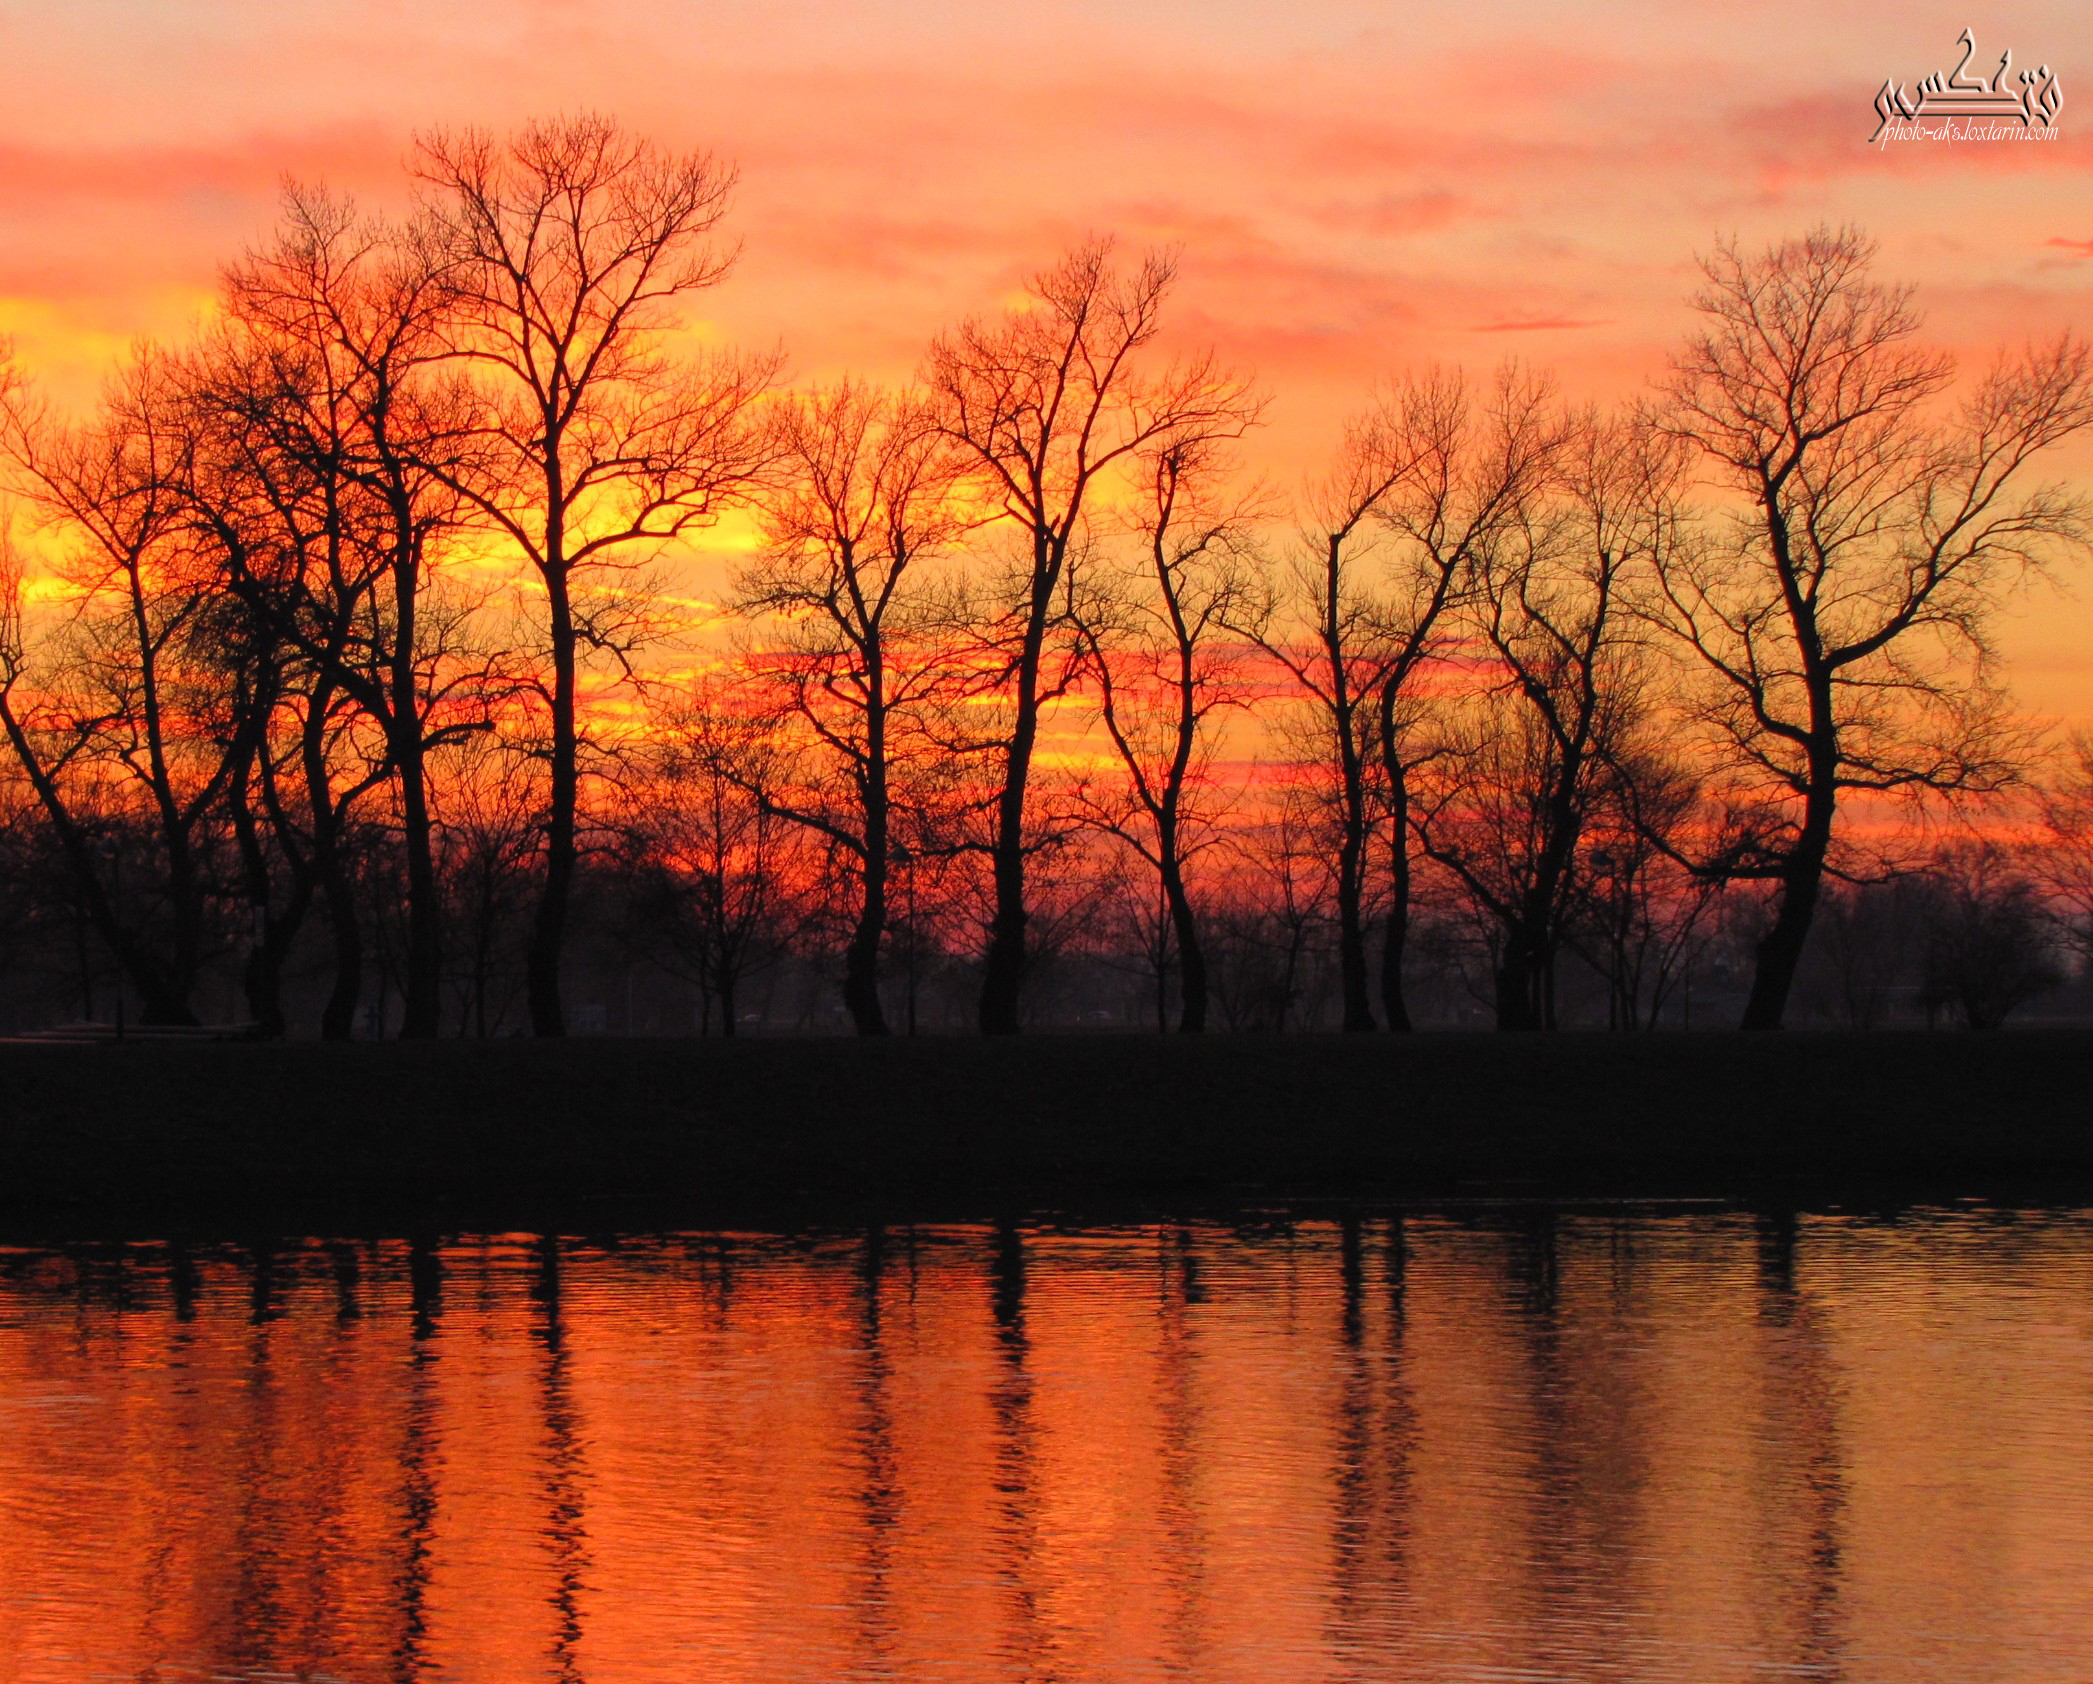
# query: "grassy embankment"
x,y
596,1135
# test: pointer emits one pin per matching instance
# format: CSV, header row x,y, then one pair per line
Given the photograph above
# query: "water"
x,y
1501,1446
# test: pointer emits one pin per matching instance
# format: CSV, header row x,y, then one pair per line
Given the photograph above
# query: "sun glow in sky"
x,y
1356,188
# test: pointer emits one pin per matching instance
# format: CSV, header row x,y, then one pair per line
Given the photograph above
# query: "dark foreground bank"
x,y
604,1134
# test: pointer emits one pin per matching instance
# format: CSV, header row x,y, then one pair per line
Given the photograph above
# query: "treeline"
x,y
355,666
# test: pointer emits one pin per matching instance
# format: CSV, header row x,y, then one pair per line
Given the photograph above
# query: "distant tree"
x,y
569,250
488,808
1987,939
1075,930
336,433
715,872
1137,933
135,711
1866,951
1271,920
1648,922
1841,626
1527,763
1326,627
1049,403
1471,469
23,833
849,651
2062,859
1155,631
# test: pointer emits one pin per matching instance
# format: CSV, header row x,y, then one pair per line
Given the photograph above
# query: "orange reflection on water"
x,y
1699,1447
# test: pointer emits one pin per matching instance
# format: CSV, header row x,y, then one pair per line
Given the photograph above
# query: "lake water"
x,y
1495,1445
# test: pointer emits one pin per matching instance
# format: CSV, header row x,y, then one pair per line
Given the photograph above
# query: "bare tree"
x,y
715,869
255,526
1048,402
1271,919
1648,918
340,434
1326,626
571,249
143,683
1387,550
1986,938
488,798
2064,850
1165,665
1841,628
850,651
1866,950
1469,470
1528,763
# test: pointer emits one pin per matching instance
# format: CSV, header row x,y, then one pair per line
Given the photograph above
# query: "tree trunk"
x,y
424,1006
86,966
261,980
861,957
1351,932
549,927
1780,949
1396,943
424,991
1518,986
1801,884
1003,969
185,897
1779,953
1191,956
338,1016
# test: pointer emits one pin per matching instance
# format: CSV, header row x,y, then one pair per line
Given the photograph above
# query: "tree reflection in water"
x,y
1649,1445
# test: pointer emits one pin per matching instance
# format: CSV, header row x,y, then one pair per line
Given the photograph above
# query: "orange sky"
x,y
1356,188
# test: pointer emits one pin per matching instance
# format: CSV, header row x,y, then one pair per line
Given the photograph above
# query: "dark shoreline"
x,y
146,1140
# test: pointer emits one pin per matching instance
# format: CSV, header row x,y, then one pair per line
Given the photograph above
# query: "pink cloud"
x,y
35,175
1540,324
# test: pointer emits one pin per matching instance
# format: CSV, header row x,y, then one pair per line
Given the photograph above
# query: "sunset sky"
x,y
1356,189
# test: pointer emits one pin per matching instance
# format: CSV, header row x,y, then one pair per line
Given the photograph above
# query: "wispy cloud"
x,y
1540,324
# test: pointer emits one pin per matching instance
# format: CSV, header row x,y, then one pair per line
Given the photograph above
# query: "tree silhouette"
x,y
851,653
1525,767
141,696
341,431
571,248
1047,402
1472,468
1840,626
1156,636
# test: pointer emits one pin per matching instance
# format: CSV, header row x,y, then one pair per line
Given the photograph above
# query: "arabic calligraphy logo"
x,y
2030,111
